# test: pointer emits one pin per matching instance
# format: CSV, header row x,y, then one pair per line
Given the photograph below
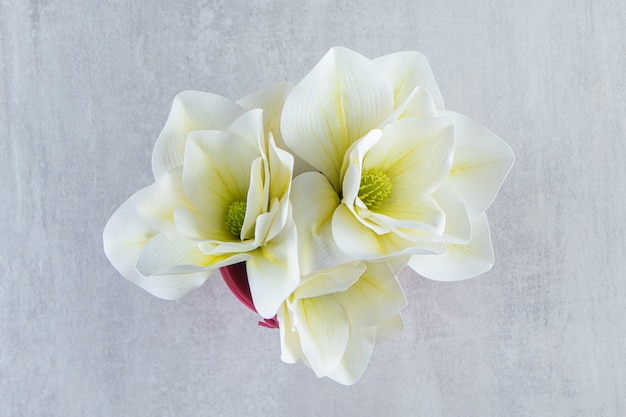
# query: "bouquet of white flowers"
x,y
311,198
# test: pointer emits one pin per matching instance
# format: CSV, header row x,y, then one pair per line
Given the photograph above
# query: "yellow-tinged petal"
x,y
191,110
217,172
360,242
256,200
172,287
194,225
273,271
419,219
418,104
249,126
278,183
271,100
356,357
397,263
270,223
124,237
324,332
416,154
330,280
335,317
482,161
291,351
459,261
156,203
281,170
390,329
340,100
314,201
164,256
352,167
406,71
458,228
374,298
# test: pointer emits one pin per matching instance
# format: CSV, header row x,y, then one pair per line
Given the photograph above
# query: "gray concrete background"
x,y
85,89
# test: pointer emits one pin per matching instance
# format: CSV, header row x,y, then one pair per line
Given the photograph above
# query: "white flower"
x,y
336,316
221,197
384,178
398,175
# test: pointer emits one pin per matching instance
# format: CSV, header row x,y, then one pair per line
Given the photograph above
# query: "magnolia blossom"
x,y
384,177
221,197
335,317
397,175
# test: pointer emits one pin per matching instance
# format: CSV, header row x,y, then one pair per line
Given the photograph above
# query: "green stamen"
x,y
374,189
234,217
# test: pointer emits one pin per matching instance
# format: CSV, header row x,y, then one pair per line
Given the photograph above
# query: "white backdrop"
x,y
85,89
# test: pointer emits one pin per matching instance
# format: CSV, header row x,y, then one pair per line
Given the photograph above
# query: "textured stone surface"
x,y
85,88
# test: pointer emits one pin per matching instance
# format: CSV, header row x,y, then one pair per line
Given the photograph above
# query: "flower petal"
x,y
356,357
281,170
422,165
352,167
157,202
407,70
374,298
163,256
256,200
217,173
196,226
459,261
191,110
390,329
405,208
273,271
271,99
314,200
458,228
339,101
419,219
324,332
272,222
172,287
291,351
360,242
330,280
427,148
418,104
124,237
249,126
278,183
397,263
481,163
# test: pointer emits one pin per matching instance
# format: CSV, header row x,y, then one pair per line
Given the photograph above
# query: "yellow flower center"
x,y
374,189
234,217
